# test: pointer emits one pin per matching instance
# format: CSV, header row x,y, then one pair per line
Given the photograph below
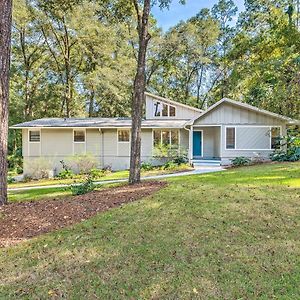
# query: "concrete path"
x,y
197,170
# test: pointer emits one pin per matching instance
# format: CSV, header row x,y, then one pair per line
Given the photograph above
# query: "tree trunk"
x,y
138,98
5,42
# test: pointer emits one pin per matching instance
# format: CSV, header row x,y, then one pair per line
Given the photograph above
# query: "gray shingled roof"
x,y
98,123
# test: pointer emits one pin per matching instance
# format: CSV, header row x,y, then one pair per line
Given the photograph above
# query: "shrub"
x,y
83,188
170,165
10,180
146,166
65,174
83,163
290,148
96,173
38,168
240,161
171,153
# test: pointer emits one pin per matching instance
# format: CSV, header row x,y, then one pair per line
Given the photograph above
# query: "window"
x,y
123,135
165,137
156,137
79,136
157,109
34,136
230,138
275,137
164,110
172,111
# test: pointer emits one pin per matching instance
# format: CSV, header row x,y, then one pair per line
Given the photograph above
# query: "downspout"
x,y
190,149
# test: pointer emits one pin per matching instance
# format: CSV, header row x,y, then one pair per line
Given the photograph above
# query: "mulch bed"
x,y
21,221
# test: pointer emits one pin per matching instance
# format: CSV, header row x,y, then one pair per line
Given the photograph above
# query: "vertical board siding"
x,y
229,114
93,142
253,138
57,142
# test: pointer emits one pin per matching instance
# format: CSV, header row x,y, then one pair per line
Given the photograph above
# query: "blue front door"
x,y
197,143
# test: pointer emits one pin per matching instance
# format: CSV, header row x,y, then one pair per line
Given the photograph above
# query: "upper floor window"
x,y
275,137
123,135
230,138
34,136
79,136
164,110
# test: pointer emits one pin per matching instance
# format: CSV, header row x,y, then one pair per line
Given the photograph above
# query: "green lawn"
x,y
228,235
110,176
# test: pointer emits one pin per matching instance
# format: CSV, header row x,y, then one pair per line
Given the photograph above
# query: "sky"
x,y
177,12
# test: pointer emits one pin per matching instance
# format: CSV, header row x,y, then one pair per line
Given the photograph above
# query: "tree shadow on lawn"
x,y
207,240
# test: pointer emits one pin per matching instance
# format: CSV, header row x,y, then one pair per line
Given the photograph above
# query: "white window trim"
x,y
123,143
252,126
161,116
85,138
170,137
234,137
39,130
29,142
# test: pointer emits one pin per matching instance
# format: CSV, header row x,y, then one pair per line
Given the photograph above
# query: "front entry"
x,y
197,143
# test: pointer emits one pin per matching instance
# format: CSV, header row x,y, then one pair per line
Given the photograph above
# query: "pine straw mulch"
x,y
21,221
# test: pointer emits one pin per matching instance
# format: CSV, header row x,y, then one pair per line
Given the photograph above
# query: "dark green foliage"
x,y
290,150
83,188
146,166
240,161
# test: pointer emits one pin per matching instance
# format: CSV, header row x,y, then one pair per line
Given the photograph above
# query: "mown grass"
x,y
47,193
109,176
228,235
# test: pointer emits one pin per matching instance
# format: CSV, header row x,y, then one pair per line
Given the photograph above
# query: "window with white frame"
x,y
230,138
79,136
123,135
165,137
275,138
34,136
164,110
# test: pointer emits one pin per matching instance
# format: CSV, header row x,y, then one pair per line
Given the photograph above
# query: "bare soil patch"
x,y
21,221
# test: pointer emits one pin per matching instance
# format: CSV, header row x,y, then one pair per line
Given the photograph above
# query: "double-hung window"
x,y
230,138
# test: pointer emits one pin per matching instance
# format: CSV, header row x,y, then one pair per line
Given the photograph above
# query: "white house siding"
x,y
251,141
57,145
181,112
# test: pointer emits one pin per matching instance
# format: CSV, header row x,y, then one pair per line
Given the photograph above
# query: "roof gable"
x,y
259,113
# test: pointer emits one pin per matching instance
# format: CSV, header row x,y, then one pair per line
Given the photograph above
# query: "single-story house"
x,y
226,130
